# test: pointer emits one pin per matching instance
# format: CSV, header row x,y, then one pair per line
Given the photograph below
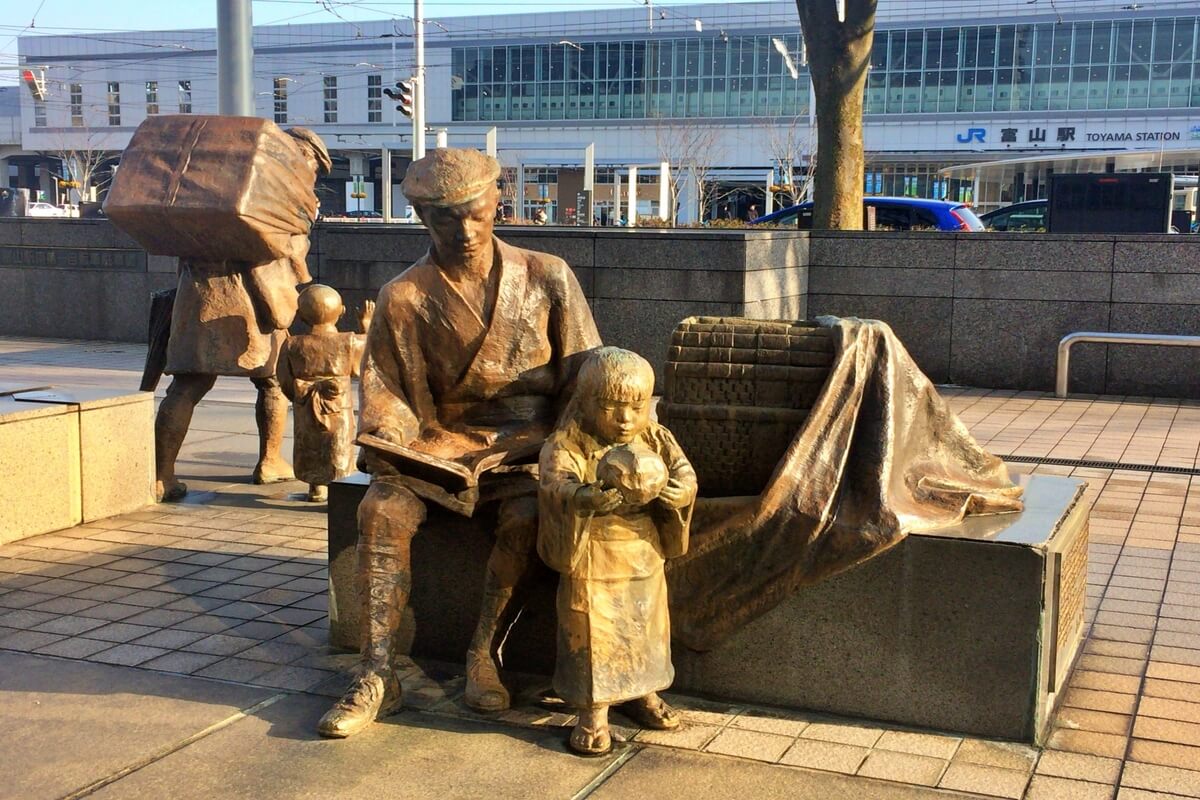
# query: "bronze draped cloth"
x,y
880,456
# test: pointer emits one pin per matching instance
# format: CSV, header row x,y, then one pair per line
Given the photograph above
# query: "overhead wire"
x,y
298,66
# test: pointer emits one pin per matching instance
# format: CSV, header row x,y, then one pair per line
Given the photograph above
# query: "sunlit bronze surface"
x,y
879,455
615,502
471,350
314,373
233,198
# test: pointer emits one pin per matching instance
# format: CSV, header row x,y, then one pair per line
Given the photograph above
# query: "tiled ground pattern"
x,y
235,590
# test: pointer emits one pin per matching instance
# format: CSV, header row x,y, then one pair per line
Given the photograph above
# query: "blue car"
x,y
891,213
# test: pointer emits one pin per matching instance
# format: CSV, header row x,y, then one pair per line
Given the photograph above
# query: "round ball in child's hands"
x,y
634,470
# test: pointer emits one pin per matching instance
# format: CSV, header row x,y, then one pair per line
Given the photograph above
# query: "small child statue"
x,y
314,372
615,501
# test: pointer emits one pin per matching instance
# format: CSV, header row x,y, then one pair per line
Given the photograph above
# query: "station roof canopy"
x,y
1120,161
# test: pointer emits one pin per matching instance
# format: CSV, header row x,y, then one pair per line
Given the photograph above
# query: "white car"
x,y
45,210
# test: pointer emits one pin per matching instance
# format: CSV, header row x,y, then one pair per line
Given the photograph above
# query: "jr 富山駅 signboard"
x,y
1073,136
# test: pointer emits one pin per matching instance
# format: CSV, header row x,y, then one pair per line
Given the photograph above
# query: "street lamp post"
x,y
235,58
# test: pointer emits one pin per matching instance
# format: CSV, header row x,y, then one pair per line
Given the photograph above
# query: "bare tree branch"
x,y
691,148
81,162
793,144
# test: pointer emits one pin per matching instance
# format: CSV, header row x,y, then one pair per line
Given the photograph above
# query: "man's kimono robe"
x,y
231,317
434,376
614,631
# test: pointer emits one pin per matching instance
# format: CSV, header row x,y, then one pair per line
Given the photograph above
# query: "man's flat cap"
x,y
449,176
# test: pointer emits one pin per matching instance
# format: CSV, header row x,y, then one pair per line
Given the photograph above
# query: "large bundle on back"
x,y
737,390
212,188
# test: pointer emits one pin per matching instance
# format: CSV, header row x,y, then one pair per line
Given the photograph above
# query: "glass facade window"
x,y
114,103
185,97
76,94
330,96
1073,65
279,95
721,76
374,98
920,179
151,98
541,175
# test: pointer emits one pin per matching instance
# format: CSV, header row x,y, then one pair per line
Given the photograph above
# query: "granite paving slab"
x,y
672,773
68,724
276,754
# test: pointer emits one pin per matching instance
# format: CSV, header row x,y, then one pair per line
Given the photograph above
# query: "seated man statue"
x,y
474,345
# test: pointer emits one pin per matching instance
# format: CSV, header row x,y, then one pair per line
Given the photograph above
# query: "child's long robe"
x,y
314,373
614,632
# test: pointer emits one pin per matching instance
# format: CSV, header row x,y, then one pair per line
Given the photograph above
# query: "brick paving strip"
x,y
234,589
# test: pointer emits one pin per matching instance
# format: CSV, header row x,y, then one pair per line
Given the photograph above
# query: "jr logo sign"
x,y
972,135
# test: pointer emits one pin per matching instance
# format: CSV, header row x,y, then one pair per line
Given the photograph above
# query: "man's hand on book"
x,y
451,445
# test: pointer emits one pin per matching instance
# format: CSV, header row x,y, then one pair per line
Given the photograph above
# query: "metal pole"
x,y
519,202
665,212
386,183
419,88
631,203
1063,363
588,212
616,213
235,58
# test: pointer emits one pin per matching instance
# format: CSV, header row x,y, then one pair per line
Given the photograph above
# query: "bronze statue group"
x,y
478,351
483,382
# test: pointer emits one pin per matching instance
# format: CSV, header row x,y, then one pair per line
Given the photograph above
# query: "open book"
x,y
457,474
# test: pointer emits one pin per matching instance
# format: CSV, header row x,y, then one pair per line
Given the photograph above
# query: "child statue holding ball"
x,y
615,501
314,372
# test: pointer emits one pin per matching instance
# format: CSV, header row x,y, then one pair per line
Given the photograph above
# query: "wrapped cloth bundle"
x,y
879,455
214,188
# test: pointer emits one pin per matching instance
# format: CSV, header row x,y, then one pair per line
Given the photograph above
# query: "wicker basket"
x,y
737,390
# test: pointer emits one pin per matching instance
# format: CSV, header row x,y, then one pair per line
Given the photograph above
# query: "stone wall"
x,y
989,309
976,309
83,279
639,283
76,279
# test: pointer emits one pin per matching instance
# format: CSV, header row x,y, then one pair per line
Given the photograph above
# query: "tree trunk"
x,y
839,54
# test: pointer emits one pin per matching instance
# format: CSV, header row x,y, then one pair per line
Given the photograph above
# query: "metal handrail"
x,y
1064,348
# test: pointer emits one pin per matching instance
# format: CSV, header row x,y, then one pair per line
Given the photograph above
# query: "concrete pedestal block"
x,y
39,469
116,447
970,629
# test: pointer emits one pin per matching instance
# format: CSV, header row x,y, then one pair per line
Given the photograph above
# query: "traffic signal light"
x,y
36,82
403,95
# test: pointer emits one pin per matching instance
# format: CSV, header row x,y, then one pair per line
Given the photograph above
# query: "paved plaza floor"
x,y
181,651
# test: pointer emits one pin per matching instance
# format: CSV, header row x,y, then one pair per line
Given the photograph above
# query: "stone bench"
x,y
69,456
970,629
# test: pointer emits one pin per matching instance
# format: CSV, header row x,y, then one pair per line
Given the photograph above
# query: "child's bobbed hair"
x,y
320,304
615,374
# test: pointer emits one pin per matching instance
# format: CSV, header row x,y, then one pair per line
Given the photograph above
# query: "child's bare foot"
x,y
591,736
651,712
317,493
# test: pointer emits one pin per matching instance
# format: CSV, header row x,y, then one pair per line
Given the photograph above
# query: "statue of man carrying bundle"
x,y
232,198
